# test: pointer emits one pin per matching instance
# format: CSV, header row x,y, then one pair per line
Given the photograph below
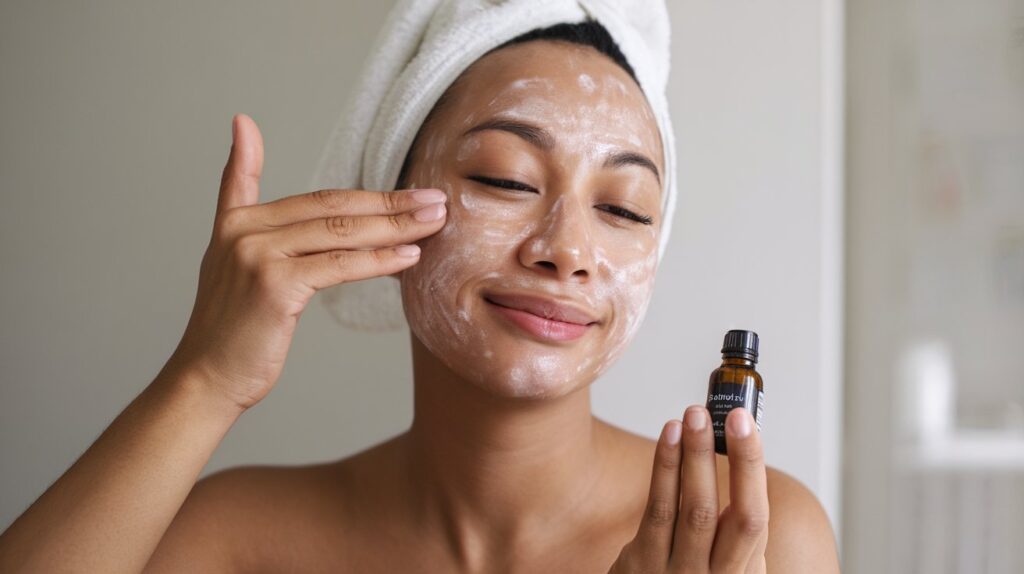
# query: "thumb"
x,y
240,182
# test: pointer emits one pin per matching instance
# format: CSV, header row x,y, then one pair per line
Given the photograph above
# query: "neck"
x,y
491,471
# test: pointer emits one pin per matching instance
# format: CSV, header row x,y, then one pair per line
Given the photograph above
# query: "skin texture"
x,y
559,240
505,468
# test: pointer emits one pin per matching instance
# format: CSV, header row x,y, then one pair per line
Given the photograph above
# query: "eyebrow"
x,y
542,139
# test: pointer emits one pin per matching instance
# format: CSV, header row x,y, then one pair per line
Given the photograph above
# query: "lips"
x,y
544,319
544,308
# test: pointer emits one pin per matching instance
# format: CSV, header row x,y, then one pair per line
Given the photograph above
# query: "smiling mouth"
x,y
541,328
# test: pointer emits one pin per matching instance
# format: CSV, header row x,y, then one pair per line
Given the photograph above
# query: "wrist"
x,y
197,390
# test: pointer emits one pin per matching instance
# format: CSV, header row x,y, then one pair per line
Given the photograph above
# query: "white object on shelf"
x,y
924,407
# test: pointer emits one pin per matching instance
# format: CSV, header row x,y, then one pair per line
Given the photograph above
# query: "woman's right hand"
x,y
682,530
265,262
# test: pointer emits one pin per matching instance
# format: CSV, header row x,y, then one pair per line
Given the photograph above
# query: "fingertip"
x,y
739,423
427,196
671,432
236,125
696,418
432,213
411,250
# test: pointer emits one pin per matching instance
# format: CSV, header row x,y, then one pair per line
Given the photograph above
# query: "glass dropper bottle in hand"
x,y
735,384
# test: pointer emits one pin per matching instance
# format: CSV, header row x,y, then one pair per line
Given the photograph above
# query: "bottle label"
x,y
759,413
724,397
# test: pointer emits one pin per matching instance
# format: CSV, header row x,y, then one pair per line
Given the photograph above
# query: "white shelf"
x,y
967,451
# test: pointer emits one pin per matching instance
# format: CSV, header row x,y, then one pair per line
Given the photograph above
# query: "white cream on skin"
x,y
493,238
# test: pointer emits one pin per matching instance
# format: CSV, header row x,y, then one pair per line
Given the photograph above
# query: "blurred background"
x,y
851,184
934,394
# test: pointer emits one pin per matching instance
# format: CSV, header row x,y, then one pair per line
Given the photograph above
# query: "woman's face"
x,y
575,227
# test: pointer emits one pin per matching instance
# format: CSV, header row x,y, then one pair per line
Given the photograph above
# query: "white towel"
x,y
422,48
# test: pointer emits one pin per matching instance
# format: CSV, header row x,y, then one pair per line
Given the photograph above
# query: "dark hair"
x,y
587,33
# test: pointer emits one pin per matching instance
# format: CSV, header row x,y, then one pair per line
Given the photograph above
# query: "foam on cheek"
x,y
484,210
452,255
629,286
478,232
431,275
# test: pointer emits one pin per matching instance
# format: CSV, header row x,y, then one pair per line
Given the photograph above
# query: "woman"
x,y
524,274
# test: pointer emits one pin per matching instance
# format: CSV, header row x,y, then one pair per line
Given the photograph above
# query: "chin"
x,y
507,364
525,376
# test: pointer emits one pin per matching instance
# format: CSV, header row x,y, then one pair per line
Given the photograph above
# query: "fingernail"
x,y
408,250
430,196
695,419
671,432
429,213
740,423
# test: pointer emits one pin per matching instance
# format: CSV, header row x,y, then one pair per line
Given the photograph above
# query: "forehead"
x,y
578,93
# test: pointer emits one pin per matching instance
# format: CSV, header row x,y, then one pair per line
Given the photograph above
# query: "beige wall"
x,y
114,128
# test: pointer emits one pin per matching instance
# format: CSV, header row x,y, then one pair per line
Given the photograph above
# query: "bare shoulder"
x,y
800,536
236,519
263,518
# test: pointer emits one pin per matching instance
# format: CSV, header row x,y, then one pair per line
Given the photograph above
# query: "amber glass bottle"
x,y
735,384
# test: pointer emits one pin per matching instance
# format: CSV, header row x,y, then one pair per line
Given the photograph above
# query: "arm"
x,y
108,512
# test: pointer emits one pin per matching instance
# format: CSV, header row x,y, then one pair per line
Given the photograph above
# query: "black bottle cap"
x,y
740,343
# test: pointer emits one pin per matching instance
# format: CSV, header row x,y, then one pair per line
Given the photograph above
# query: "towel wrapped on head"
x,y
422,48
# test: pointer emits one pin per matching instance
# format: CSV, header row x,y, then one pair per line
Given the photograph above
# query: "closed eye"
x,y
503,183
623,212
515,185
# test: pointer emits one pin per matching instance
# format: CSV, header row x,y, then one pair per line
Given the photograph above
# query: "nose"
x,y
561,245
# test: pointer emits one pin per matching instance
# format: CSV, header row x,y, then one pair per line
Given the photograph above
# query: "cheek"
x,y
627,286
436,313
431,285
477,240
631,292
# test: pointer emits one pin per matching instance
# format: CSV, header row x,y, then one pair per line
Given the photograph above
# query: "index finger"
x,y
652,545
324,203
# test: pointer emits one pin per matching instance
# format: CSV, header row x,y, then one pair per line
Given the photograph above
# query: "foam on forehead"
x,y
588,103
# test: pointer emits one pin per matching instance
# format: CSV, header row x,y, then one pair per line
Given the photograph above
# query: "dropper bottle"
x,y
735,384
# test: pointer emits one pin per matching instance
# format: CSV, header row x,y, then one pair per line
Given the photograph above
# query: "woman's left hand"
x,y
682,530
